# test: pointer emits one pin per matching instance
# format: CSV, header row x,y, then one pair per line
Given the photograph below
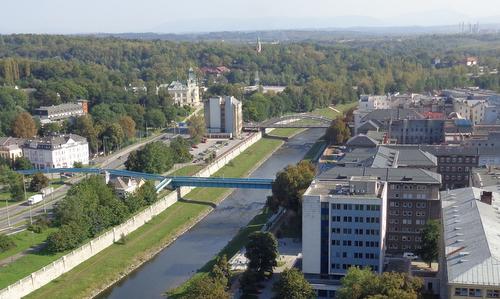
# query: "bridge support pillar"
x,y
179,195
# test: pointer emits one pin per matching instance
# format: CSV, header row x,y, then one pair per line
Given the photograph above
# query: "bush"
x,y
6,243
69,236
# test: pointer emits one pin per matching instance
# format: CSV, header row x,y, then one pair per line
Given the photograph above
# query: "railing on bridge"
x,y
288,122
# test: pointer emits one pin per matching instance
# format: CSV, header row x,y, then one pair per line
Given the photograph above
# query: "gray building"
x,y
48,114
223,116
470,251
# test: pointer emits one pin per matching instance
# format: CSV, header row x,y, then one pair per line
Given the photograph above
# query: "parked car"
x,y
410,255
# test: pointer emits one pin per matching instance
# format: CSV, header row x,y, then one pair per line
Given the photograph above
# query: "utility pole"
x,y
8,214
24,188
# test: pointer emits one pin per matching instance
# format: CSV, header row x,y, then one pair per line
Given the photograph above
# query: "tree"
x,y
113,136
429,250
292,284
69,236
180,150
128,126
197,128
155,157
24,126
261,251
155,118
38,182
221,271
147,192
206,288
363,283
77,165
14,181
6,243
84,126
290,184
88,208
337,132
248,282
22,163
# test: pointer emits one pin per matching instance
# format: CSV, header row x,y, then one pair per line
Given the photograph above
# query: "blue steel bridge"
x,y
171,181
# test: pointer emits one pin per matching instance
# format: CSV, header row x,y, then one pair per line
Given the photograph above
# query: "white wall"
x,y
64,264
311,234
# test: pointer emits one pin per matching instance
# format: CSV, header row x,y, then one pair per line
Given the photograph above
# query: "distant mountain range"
x,y
432,19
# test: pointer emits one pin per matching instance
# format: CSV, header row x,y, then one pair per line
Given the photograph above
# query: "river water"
x,y
179,261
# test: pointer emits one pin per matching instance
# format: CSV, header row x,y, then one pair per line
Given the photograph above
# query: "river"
x,y
179,261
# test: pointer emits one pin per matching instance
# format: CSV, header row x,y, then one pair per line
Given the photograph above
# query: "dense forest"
x,y
55,69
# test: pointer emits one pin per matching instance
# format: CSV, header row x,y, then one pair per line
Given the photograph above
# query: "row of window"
x,y
396,204
457,160
410,195
397,229
408,187
453,169
356,219
458,177
406,213
403,247
355,243
470,292
405,238
356,207
407,221
359,255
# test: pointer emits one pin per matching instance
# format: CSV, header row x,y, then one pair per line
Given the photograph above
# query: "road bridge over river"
x,y
172,181
300,120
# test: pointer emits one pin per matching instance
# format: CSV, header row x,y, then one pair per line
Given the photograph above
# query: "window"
x,y
420,213
492,293
407,221
475,293
420,222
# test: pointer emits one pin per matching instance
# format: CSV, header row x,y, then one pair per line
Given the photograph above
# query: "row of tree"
x,y
89,208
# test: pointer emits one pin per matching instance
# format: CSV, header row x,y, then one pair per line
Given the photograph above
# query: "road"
x,y
21,213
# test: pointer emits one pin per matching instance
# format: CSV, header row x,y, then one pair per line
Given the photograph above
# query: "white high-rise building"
x,y
224,115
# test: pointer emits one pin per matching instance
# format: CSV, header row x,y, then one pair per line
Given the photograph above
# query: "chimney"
x,y
487,197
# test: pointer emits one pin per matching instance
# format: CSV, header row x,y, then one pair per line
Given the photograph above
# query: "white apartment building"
x,y
57,151
224,115
184,95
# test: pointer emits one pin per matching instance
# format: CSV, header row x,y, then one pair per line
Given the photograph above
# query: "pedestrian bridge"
x,y
172,181
301,120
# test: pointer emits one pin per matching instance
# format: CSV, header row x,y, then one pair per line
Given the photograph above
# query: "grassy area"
x,y
330,113
314,150
229,250
24,240
108,265
188,170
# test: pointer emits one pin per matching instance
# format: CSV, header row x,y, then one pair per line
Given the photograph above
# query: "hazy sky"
x,y
81,16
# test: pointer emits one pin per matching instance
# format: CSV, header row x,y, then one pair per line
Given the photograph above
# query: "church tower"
x,y
258,47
